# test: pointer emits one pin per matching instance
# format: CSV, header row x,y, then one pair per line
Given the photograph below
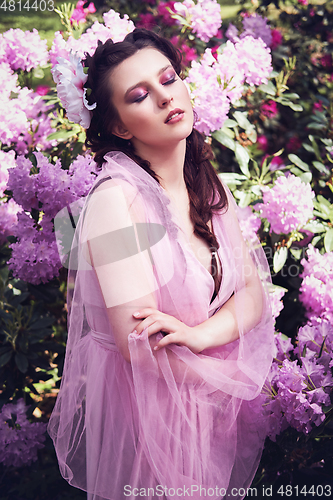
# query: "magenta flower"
x,y
146,20
277,38
163,11
317,106
269,109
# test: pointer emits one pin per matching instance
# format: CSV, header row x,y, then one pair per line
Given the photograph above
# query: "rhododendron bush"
x,y
262,89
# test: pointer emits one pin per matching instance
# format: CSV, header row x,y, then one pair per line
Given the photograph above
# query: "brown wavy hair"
x,y
206,193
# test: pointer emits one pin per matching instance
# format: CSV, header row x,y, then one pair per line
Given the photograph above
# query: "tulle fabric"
x,y
170,420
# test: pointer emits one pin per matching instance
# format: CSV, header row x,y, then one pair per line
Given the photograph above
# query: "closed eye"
x,y
171,80
141,98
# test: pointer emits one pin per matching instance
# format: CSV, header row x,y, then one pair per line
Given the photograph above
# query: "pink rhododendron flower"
x,y
19,439
287,205
316,288
7,160
254,59
204,17
276,294
211,103
25,50
269,109
249,223
8,219
257,27
114,27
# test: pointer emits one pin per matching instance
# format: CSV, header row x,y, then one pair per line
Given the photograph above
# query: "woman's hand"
x,y
177,332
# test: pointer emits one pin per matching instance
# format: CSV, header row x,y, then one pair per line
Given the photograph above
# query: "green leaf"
x,y
42,323
64,135
300,163
269,88
21,362
279,259
224,139
328,240
321,167
295,107
38,73
315,227
229,123
5,358
316,126
243,159
241,117
232,178
305,177
296,252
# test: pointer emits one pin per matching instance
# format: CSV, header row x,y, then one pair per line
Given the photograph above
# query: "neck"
x,y
168,165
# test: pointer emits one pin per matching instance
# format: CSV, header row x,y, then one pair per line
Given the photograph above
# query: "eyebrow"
x,y
144,82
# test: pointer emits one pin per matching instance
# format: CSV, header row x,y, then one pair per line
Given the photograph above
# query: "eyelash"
x,y
168,82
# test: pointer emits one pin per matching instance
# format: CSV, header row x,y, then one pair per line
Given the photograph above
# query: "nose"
x,y
164,98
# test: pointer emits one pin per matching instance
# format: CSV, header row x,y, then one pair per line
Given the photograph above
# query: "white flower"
x,y
70,78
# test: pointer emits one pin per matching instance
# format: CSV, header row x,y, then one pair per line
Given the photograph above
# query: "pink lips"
x,y
174,116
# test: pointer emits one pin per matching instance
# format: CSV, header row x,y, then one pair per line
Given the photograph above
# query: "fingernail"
x,y
135,332
156,348
136,314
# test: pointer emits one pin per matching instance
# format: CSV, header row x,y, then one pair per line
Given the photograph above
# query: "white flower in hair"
x,y
70,78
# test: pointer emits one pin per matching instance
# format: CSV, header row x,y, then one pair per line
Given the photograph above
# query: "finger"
x,y
153,325
143,313
172,338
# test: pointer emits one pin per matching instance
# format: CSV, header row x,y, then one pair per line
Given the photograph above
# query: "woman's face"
x,y
153,103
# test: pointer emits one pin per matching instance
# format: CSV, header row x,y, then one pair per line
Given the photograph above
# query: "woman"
x,y
170,334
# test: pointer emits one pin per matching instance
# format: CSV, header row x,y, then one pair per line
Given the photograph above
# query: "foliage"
x,y
273,144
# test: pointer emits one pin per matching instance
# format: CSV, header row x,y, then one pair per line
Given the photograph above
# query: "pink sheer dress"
x,y
171,423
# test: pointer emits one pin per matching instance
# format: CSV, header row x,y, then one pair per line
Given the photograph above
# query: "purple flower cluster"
x,y
204,17
19,439
298,390
215,83
316,288
23,50
47,188
253,25
287,205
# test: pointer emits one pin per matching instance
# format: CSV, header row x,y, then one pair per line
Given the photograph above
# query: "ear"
x,y
121,132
